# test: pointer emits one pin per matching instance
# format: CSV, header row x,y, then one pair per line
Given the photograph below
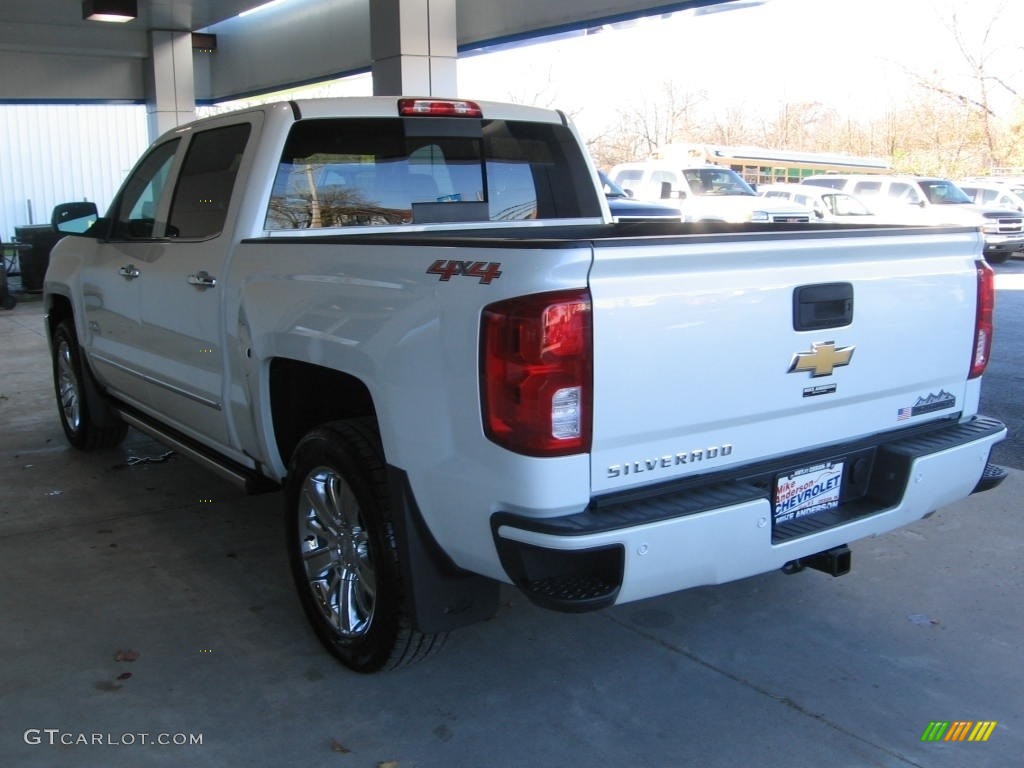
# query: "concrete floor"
x,y
102,562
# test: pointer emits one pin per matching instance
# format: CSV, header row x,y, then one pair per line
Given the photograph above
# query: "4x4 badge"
x,y
823,358
448,268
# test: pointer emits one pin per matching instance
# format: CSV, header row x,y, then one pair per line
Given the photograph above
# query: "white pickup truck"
x,y
419,319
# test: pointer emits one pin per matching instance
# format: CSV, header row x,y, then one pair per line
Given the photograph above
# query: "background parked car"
x,y
625,208
703,193
828,205
927,200
994,191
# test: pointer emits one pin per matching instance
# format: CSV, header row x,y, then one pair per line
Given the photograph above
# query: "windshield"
x,y
717,181
611,189
944,193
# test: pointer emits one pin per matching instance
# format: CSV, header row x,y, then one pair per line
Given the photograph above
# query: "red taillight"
x,y
536,372
983,324
438,108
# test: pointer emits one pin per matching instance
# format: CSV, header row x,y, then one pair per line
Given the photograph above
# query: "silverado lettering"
x,y
669,460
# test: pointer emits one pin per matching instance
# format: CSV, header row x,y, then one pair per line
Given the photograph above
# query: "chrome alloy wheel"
x,y
67,384
335,552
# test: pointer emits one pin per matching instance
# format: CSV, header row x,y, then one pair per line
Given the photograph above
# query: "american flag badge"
x,y
904,413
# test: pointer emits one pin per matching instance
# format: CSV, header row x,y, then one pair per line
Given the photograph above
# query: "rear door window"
x,y
905,193
205,183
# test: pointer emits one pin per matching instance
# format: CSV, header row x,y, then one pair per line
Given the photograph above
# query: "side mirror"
x,y
666,190
74,218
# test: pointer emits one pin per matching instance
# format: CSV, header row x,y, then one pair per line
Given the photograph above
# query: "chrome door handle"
x,y
202,279
129,272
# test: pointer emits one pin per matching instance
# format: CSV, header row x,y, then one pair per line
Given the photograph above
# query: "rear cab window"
x,y
867,188
366,172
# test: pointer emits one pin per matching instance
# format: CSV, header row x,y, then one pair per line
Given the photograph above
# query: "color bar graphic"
x,y
982,730
959,730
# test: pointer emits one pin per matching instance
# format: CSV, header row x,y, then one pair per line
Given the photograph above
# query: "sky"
x,y
854,55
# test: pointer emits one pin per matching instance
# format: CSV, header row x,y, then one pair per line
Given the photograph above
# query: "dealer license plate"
x,y
807,491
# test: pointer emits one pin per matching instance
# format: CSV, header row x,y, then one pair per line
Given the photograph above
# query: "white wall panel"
x,y
52,154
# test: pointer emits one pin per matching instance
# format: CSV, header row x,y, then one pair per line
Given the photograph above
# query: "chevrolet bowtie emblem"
x,y
822,359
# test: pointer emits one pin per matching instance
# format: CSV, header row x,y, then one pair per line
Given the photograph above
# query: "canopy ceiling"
x,y
49,54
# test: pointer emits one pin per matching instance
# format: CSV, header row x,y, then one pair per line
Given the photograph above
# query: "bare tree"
x,y
808,126
669,117
961,121
973,94
730,126
536,91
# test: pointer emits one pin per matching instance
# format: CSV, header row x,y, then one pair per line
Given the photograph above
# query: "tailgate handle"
x,y
826,305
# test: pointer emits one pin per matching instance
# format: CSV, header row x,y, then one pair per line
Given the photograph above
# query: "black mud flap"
x,y
443,597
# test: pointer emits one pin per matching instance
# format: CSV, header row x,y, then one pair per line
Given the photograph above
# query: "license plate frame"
x,y
807,491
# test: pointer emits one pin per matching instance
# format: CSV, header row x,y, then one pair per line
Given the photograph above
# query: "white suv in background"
x,y
932,201
703,193
1002,193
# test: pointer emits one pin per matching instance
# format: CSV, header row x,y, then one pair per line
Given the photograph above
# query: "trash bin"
x,y
7,301
35,260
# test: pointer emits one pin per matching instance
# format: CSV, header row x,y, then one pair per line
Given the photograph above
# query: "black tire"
x,y
343,549
70,379
998,258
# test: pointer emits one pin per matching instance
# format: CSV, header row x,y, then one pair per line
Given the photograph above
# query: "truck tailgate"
x,y
713,351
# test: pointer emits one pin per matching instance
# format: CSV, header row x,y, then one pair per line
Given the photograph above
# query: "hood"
x,y
738,208
967,213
